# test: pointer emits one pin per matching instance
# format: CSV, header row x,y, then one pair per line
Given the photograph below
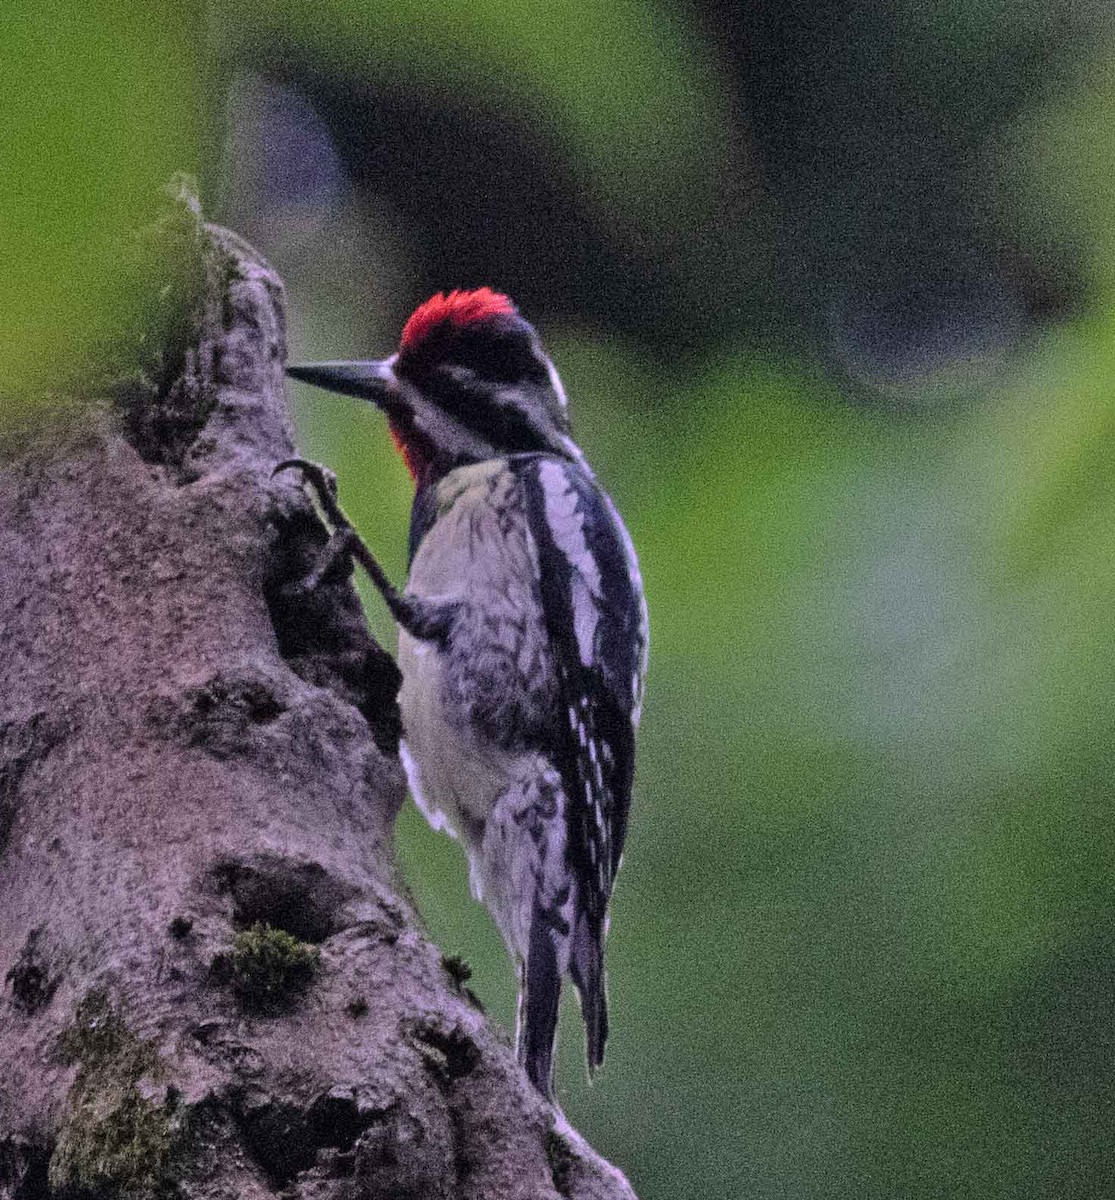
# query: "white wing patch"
x,y
567,527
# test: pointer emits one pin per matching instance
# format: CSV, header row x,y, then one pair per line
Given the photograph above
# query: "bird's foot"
x,y
323,482
335,557
427,620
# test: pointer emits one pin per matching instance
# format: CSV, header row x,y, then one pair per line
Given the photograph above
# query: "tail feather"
x,y
586,965
538,1007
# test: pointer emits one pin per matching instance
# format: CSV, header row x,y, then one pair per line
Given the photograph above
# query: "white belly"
x,y
454,777
474,708
477,555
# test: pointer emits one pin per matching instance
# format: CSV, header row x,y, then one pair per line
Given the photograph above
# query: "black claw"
x,y
427,621
324,484
320,478
287,463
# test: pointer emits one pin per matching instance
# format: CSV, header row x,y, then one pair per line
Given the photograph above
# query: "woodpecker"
x,y
522,641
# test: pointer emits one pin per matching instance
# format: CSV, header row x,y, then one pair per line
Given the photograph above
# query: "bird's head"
x,y
470,381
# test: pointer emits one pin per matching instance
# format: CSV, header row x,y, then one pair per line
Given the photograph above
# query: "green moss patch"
x,y
119,1133
268,968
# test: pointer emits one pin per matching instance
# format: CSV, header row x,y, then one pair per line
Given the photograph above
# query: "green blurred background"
x,y
832,289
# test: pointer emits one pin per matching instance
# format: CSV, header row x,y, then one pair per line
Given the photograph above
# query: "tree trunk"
x,y
215,983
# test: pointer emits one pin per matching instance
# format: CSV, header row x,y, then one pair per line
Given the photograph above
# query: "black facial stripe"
x,y
473,405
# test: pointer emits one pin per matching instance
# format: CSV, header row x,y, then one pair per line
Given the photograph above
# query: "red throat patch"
x,y
458,307
412,454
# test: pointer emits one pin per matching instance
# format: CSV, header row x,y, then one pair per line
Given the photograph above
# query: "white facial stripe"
x,y
555,383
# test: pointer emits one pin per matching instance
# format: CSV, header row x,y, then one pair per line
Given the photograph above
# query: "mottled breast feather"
x,y
596,620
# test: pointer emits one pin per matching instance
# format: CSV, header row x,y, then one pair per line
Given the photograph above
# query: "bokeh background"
x,y
832,289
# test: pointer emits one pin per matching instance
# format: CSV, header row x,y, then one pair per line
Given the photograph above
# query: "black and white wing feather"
x,y
595,614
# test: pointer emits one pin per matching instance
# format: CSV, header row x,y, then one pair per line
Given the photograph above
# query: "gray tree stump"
x,y
214,982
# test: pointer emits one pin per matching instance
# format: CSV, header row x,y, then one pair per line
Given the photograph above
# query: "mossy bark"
x,y
215,984
121,1125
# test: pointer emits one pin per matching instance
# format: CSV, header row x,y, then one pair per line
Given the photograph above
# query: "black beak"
x,y
373,381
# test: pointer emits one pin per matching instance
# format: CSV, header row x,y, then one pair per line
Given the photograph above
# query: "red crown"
x,y
460,308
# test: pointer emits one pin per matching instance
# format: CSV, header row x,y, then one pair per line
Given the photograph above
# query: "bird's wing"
x,y
595,615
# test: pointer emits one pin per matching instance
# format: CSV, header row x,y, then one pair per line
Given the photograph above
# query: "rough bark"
x,y
215,984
